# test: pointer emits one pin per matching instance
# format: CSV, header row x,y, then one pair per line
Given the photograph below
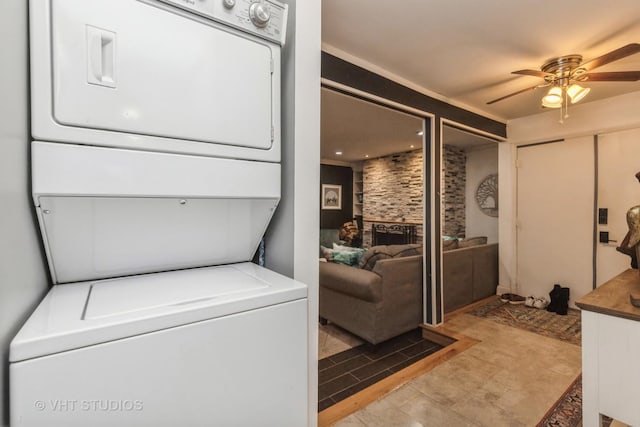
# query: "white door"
x,y
555,217
618,190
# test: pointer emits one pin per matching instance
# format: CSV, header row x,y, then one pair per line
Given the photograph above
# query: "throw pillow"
x,y
326,253
358,252
346,258
472,241
337,247
349,233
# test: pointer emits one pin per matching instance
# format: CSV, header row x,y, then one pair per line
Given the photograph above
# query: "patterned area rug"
x,y
566,328
567,412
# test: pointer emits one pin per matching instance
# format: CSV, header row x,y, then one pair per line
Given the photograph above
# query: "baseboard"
x,y
503,290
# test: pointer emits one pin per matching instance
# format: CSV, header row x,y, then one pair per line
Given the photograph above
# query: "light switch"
x,y
603,216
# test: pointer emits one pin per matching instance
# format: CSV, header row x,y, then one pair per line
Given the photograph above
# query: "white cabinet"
x,y
610,351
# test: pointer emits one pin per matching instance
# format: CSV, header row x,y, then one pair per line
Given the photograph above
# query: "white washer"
x,y
155,175
208,346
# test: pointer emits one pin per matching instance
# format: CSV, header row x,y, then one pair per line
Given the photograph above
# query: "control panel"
x,y
264,18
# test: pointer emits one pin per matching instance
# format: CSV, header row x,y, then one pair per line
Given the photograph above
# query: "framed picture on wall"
x,y
331,196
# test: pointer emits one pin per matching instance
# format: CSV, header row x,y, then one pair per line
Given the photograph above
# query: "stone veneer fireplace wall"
x,y
454,184
393,190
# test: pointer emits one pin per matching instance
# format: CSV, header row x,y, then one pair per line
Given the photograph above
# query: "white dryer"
x,y
156,172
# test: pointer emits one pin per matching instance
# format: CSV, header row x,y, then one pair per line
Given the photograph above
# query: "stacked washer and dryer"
x,y
156,171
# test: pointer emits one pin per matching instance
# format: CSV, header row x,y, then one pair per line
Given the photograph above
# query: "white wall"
x,y
506,218
591,118
481,162
618,190
23,280
292,238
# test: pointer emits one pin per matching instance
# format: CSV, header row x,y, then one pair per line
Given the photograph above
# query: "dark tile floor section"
x,y
353,370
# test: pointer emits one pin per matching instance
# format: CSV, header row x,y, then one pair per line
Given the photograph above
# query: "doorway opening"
x,y
470,203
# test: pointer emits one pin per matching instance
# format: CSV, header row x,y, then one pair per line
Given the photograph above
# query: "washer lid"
x,y
117,297
77,315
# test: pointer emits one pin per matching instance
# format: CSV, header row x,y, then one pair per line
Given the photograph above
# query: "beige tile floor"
x,y
332,340
510,378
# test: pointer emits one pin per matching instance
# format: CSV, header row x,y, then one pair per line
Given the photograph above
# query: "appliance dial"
x,y
259,14
228,4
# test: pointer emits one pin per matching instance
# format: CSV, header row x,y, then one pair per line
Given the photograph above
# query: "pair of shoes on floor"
x,y
512,298
559,300
540,303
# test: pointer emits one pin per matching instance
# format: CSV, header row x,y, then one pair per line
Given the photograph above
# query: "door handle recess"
x,y
101,57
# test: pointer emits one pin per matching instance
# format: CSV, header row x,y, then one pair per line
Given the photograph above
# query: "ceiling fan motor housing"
x,y
562,69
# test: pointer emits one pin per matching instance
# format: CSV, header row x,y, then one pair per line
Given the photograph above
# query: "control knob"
x,y
228,4
259,14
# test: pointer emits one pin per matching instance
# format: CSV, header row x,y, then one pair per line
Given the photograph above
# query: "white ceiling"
x,y
360,129
465,140
463,51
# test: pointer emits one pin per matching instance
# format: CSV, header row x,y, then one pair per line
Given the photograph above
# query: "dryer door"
x,y
127,71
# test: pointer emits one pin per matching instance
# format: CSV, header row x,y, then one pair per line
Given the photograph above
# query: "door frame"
x,y
429,290
442,122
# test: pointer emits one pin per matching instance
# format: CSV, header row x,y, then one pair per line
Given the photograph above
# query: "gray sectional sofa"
x,y
384,299
376,304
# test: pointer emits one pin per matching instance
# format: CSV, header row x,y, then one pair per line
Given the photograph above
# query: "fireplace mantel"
x,y
391,221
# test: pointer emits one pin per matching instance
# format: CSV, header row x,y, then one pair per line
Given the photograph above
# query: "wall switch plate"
x,y
604,237
603,216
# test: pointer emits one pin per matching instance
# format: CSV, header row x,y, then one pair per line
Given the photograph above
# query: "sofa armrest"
x,y
401,277
362,284
457,278
485,271
401,306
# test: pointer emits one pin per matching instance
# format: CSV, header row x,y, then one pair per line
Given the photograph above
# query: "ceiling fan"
x,y
565,73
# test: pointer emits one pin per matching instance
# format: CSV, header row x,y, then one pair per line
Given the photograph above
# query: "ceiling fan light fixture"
x,y
553,98
577,92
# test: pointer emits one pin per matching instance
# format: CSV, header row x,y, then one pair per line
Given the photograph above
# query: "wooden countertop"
x,y
612,298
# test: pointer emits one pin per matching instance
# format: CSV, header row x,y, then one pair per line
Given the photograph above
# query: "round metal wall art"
x,y
487,195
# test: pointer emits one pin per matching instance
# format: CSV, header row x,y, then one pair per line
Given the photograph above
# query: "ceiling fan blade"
x,y
614,55
535,73
613,76
513,94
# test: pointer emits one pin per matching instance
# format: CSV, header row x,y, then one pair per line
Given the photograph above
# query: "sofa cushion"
x,y
472,241
449,244
376,253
